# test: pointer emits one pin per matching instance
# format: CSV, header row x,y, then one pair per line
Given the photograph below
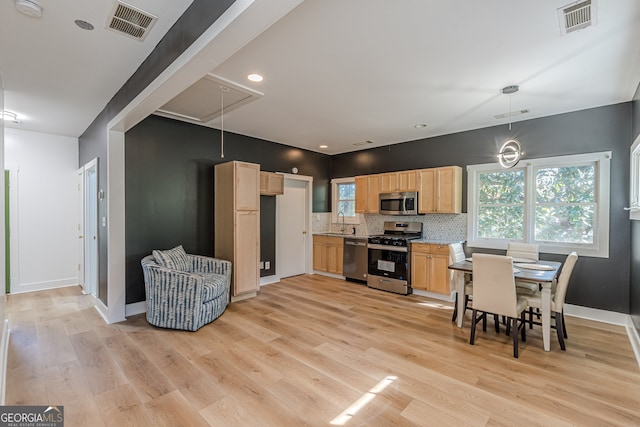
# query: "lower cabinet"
x,y
429,268
327,253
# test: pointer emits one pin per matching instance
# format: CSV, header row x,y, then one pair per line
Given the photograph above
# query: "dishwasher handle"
x,y
352,243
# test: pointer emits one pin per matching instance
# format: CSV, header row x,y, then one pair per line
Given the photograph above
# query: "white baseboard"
x,y
42,286
269,280
632,332
596,314
135,308
102,310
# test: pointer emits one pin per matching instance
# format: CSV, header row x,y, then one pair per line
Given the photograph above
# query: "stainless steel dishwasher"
x,y
355,262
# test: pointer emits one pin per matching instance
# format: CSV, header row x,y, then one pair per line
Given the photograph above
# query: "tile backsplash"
x,y
436,227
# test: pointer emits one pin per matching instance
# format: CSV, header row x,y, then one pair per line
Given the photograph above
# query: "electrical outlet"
x,y
261,265
267,265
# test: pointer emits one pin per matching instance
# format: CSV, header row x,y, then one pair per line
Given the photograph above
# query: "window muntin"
x,y
347,198
560,203
343,192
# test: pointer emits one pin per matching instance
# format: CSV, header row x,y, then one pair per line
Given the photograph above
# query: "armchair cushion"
x,y
174,259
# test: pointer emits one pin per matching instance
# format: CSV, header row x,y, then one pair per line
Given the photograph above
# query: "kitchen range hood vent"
x,y
576,16
130,21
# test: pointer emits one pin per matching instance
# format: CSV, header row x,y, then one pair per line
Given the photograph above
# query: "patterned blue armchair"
x,y
185,291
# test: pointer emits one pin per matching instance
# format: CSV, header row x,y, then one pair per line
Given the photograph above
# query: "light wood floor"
x,y
304,351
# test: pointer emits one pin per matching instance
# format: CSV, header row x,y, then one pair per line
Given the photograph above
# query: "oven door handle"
x,y
387,247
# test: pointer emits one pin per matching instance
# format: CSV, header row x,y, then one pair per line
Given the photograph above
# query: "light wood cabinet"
x,y
237,223
429,268
408,180
271,184
367,193
327,253
388,182
440,190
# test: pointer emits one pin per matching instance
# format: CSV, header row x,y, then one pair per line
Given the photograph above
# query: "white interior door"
x,y
80,229
91,227
292,228
14,241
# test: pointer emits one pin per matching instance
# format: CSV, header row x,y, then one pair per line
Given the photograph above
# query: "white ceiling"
x,y
57,77
342,72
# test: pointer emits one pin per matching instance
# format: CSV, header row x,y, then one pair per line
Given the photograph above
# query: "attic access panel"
x,y
202,101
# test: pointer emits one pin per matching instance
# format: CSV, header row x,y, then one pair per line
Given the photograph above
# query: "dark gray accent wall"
x,y
597,282
169,188
199,16
634,294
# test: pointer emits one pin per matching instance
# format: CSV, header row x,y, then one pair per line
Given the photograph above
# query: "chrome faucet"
x,y
341,213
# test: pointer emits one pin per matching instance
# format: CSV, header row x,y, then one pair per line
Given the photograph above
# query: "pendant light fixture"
x,y
223,89
511,151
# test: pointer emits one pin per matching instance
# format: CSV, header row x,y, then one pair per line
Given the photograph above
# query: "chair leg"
x,y
455,309
560,330
497,323
473,328
564,327
508,327
484,322
523,325
530,317
515,335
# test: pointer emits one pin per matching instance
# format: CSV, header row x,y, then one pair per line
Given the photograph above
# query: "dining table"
x,y
533,271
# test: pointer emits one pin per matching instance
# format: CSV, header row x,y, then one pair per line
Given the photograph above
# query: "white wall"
x,y
47,208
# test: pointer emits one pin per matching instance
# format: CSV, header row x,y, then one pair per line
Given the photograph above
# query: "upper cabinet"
x,y
408,181
388,182
367,191
271,184
440,190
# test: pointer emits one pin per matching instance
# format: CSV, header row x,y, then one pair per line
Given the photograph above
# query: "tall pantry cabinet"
x,y
237,224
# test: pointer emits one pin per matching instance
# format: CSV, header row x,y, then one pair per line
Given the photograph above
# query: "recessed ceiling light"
x,y
255,77
420,125
324,146
29,8
84,24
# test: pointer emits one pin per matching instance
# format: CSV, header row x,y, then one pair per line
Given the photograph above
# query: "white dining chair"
x,y
456,254
494,291
557,299
527,251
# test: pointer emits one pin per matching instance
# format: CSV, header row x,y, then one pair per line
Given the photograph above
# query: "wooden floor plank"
x,y
312,350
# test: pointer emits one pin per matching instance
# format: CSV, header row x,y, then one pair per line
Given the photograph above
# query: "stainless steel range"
x,y
389,257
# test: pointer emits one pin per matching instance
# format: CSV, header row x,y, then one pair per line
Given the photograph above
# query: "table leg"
x,y
460,291
546,315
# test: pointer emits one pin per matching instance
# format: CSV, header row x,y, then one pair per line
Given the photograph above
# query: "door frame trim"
x,y
307,223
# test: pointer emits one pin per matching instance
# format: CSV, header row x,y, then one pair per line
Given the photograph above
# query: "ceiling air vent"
x,y
360,144
576,16
512,113
130,21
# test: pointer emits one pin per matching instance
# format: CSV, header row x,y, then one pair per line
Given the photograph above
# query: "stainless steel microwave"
x,y
399,203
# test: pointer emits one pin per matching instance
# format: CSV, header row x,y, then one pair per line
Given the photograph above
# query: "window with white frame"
x,y
559,203
344,201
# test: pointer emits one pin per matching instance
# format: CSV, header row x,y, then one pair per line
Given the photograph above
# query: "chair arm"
x,y
204,264
166,287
